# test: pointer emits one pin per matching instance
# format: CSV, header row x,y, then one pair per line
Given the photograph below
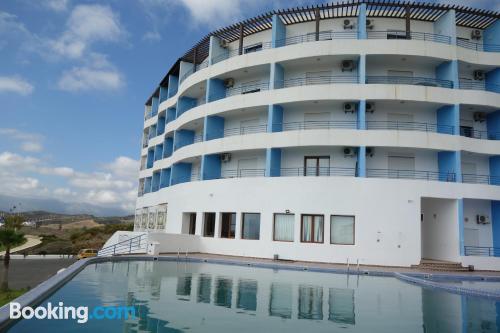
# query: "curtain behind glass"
x,y
307,222
251,226
284,227
342,229
318,229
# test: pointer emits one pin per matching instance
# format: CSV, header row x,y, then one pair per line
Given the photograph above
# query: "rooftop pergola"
x,y
408,10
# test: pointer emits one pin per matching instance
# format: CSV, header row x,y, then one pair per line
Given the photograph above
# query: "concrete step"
x,y
435,265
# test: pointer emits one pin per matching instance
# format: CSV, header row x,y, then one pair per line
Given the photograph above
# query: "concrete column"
x,y
491,37
173,85
278,32
183,138
362,21
165,178
214,128
362,69
275,118
448,119
493,125
181,173
215,51
448,70
273,162
460,215
449,162
361,165
210,167
446,25
361,114
215,90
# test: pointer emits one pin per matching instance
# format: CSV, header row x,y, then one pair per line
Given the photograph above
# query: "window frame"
x,y
205,224
243,225
192,224
353,229
230,222
318,170
274,227
313,228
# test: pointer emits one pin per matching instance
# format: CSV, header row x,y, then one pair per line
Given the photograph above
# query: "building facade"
x,y
363,132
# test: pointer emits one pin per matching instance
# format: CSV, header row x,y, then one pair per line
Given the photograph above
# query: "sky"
x,y
74,76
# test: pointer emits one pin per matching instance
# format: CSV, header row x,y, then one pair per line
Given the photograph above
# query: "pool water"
x,y
202,297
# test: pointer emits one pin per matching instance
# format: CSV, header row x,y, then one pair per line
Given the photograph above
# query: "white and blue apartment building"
x,y
361,131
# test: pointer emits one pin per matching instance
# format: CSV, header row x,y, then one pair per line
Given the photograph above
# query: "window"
x,y
247,295
283,227
342,230
341,305
228,225
316,165
253,48
280,302
192,223
209,224
312,229
251,226
396,34
310,302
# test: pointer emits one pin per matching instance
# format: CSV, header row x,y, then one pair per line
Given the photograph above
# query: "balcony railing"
x,y
311,37
478,46
236,52
482,251
418,81
411,174
318,172
240,90
413,35
198,138
245,130
479,85
409,126
195,176
240,173
306,81
477,134
480,179
317,124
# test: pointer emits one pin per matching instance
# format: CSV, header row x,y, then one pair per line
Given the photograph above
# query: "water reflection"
x,y
217,298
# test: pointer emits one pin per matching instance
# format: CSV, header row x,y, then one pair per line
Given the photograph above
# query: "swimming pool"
x,y
171,296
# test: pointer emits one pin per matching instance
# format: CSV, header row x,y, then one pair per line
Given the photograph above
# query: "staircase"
x,y
439,265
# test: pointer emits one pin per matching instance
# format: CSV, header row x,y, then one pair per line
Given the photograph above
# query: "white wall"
x,y
472,208
294,157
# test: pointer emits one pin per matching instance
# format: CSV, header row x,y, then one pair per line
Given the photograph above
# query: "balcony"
x,y
482,251
242,173
413,35
245,130
312,125
467,44
306,81
409,80
246,49
318,172
240,90
479,85
480,179
322,36
411,174
409,126
477,134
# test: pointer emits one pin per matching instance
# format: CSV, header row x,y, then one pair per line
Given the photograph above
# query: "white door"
x,y
401,166
316,120
247,167
471,237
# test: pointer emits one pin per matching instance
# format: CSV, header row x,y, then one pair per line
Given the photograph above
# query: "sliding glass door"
x,y
316,166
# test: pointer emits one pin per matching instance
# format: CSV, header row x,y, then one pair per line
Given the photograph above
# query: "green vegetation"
x,y
11,294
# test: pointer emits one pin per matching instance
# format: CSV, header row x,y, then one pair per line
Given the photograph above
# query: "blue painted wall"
x,y
171,112
151,158
214,128
163,93
154,106
165,178
278,33
448,119
491,36
168,147
160,128
448,70
275,118
362,22
184,104
361,114
277,77
215,90
173,85
210,167
495,222
449,162
446,25
460,216
362,69
159,152
147,185
273,162
493,80
361,163
183,138
181,173
155,184
493,125
215,51
495,170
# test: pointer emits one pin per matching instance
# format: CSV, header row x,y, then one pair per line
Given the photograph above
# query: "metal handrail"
x,y
419,81
317,171
479,85
477,134
409,126
236,52
311,37
316,124
198,138
245,130
326,79
240,90
411,174
125,247
240,173
467,44
483,251
480,179
413,35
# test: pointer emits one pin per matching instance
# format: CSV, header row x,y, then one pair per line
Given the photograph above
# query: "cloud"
x,y
97,74
125,167
86,25
217,12
30,142
15,84
152,36
11,160
56,5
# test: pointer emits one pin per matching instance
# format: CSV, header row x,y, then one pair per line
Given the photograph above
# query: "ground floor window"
x,y
312,229
283,227
192,223
209,224
251,226
228,225
342,229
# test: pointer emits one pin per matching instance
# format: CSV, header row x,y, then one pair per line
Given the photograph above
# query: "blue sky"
x,y
74,76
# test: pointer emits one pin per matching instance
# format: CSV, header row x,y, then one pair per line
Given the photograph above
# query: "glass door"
x,y
317,166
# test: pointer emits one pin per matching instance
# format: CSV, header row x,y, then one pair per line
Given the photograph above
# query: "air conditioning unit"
x,y
479,75
223,43
225,157
482,219
369,24
370,151
229,83
370,107
348,24
476,34
349,152
350,107
347,65
479,116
